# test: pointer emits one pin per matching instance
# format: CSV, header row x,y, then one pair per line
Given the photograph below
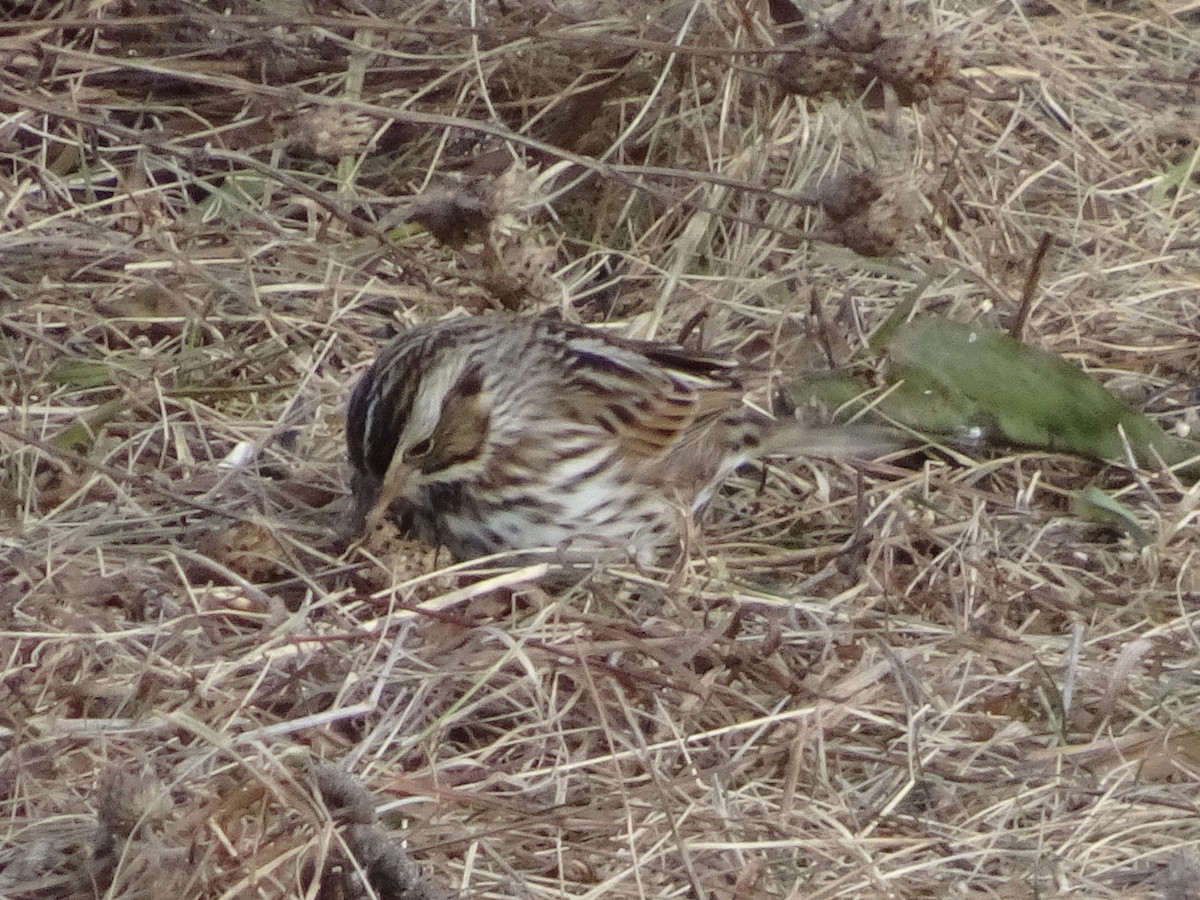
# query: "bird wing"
x,y
651,397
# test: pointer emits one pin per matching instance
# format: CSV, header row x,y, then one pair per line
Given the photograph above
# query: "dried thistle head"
x,y
864,24
332,130
871,214
849,194
813,68
914,66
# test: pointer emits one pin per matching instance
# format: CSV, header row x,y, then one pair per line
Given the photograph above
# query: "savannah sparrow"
x,y
512,433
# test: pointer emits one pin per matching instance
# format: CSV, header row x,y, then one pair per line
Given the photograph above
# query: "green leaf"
x,y
965,382
1028,396
82,374
79,436
1093,505
1175,177
238,193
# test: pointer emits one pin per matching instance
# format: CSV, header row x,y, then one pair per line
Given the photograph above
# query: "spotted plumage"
x,y
513,433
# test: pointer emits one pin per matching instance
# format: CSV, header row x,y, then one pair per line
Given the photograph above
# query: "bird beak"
x,y
399,481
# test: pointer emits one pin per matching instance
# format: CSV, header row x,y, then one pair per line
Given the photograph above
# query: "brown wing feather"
x,y
652,397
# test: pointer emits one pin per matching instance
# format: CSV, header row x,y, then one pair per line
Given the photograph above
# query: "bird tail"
x,y
850,441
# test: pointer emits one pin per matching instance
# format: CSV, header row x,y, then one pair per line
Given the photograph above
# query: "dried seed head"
x,y
333,131
885,226
864,24
914,66
850,194
813,68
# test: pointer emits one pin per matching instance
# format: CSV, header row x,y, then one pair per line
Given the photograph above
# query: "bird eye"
x,y
420,448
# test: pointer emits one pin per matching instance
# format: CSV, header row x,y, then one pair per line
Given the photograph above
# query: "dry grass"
x,y
924,679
